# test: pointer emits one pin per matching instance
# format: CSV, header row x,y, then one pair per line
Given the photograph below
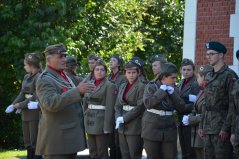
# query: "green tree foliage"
x,y
131,28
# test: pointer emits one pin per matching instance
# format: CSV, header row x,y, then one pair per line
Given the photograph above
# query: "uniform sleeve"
x,y
230,82
111,94
53,101
232,109
118,104
138,109
153,96
194,120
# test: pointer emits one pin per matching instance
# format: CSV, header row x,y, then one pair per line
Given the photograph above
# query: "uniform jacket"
x,y
217,92
190,88
194,120
132,118
154,126
234,108
28,87
97,121
75,79
119,78
61,128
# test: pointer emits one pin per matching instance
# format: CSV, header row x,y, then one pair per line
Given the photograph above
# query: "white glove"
x,y
185,120
192,98
170,89
18,111
9,109
163,87
32,105
118,121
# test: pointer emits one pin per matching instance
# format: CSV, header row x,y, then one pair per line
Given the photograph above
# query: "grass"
x,y
13,154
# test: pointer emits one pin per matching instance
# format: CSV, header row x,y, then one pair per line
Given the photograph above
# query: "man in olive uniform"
x,y
234,110
92,58
71,65
159,129
61,133
216,122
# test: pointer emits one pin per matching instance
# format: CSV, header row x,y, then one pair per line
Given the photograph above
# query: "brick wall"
x,y
213,23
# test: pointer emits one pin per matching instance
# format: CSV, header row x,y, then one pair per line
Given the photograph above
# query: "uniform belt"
x,y
160,112
127,107
92,106
28,96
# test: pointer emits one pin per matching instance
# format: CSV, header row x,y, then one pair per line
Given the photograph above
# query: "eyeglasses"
x,y
211,54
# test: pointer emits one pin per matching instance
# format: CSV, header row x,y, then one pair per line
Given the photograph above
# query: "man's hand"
x,y
118,121
9,109
200,133
85,87
224,135
16,106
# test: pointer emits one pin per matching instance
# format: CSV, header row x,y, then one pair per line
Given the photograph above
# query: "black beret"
x,y
237,54
158,57
138,61
71,61
118,57
186,62
216,46
32,59
204,69
55,49
168,68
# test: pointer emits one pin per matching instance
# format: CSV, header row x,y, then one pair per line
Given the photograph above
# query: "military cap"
x,y
55,49
186,62
204,69
216,46
168,68
93,56
237,54
131,65
138,61
118,57
32,59
71,61
158,57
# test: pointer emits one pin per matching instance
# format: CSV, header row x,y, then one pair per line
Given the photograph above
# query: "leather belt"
x,y
160,112
27,96
127,107
92,106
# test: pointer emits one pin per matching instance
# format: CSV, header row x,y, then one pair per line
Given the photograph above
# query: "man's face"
x,y
156,67
91,64
57,61
114,63
187,71
213,57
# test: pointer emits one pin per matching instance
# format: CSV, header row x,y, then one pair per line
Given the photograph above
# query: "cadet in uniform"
x,y
234,110
71,65
216,122
159,130
27,102
187,86
61,132
99,112
142,74
92,58
195,117
129,110
116,76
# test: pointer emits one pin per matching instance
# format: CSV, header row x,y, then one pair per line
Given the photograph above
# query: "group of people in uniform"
x,y
124,112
